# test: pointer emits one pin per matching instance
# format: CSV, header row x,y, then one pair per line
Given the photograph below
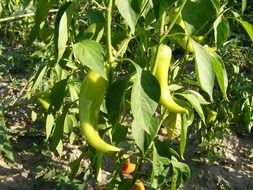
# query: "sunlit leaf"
x,y
181,173
195,103
247,26
221,30
220,73
160,168
127,12
204,68
63,20
37,80
144,98
49,125
91,54
183,137
41,13
200,98
141,137
216,4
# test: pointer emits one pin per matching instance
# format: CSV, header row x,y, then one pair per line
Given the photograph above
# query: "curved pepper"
x,y
161,73
44,100
92,93
182,40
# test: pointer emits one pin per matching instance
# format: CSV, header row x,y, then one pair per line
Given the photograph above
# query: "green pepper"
x,y
44,100
161,73
93,89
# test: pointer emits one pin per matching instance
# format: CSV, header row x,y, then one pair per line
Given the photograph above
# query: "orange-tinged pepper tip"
x,y
128,167
138,186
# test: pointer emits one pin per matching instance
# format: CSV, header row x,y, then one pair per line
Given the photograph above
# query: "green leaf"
x,y
41,13
160,6
49,125
216,4
246,115
174,179
37,80
127,12
95,16
160,169
141,137
58,133
247,26
1,9
244,5
69,123
98,166
142,7
144,98
5,145
59,147
200,98
33,116
96,29
196,19
8,152
119,133
220,73
115,100
181,173
57,95
183,136
195,103
74,165
221,30
62,23
74,89
164,150
72,137
204,68
91,54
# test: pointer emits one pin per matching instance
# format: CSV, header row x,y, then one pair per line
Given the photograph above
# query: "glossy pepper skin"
x,y
128,167
138,186
161,73
92,93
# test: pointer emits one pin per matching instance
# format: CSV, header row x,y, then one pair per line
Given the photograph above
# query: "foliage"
x,y
5,145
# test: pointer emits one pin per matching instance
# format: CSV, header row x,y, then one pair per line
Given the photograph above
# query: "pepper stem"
x,y
110,59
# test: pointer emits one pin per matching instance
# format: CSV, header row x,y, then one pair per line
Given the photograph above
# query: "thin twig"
x,y
17,17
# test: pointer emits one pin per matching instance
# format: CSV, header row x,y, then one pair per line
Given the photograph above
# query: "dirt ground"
x,y
235,171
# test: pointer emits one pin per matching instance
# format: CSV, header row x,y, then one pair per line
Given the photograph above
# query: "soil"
x,y
234,171
33,158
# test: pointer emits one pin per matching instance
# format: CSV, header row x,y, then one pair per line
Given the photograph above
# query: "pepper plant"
x,y
115,74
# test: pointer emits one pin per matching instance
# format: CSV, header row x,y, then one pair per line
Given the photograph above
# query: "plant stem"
x,y
14,18
108,31
138,168
162,24
176,17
